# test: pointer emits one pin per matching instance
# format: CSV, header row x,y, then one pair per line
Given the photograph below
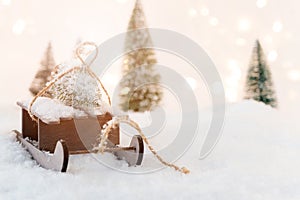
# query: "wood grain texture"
x,y
29,127
79,134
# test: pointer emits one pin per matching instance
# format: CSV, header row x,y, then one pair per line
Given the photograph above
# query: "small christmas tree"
x,y
140,90
44,73
77,89
259,84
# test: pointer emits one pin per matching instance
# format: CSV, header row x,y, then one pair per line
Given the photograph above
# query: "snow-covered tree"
x,y
77,89
259,84
140,90
44,73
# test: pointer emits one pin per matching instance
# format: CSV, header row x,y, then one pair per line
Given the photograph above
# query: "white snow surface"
x,y
257,157
51,110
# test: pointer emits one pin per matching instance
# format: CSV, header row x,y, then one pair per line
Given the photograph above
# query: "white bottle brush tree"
x,y
77,89
259,85
44,73
139,88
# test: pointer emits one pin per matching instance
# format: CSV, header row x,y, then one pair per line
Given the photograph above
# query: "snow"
x,y
51,110
257,157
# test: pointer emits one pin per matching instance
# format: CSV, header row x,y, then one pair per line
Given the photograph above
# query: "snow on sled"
x,y
50,139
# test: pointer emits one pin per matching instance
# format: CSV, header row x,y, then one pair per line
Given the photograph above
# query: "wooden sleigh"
x,y
50,142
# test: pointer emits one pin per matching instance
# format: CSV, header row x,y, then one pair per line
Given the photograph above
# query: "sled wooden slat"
x,y
29,127
79,134
58,161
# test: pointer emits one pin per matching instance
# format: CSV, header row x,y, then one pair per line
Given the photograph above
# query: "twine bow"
x,y
86,66
79,52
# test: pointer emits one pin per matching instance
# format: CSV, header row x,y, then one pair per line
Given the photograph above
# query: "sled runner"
x,y
58,161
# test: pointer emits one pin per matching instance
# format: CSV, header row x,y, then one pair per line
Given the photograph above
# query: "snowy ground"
x,y
256,158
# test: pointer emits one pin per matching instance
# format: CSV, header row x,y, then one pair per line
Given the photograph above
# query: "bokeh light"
x,y
294,75
272,56
244,24
204,11
193,12
6,2
261,3
19,27
213,21
277,26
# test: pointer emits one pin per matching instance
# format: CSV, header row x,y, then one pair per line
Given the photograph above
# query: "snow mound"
x,y
257,157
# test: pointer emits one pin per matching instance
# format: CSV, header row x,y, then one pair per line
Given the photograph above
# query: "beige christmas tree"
x,y
44,73
140,90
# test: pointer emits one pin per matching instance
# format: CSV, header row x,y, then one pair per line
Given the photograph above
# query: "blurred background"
x,y
227,30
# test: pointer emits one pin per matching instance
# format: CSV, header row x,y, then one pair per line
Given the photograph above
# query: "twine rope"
x,y
125,119
78,53
86,66
99,81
